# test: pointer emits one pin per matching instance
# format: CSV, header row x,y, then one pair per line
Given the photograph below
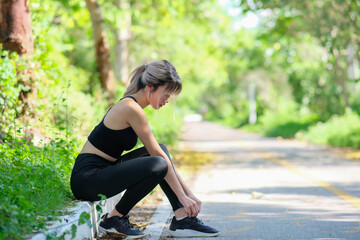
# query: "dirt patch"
x,y
346,152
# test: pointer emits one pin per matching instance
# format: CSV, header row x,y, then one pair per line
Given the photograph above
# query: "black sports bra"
x,y
110,141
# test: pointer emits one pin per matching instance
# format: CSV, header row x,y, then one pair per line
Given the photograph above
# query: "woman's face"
x,y
159,97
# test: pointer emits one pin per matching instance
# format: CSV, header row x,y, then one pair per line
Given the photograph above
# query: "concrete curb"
x,y
159,221
64,225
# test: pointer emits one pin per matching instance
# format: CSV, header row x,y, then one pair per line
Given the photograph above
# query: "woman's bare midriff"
x,y
89,148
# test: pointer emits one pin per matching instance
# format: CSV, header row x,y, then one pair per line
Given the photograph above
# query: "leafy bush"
x,y
37,149
46,101
10,89
227,114
286,121
34,184
37,146
337,131
78,113
340,131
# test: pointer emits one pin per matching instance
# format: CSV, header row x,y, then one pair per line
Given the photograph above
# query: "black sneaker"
x,y
191,227
118,227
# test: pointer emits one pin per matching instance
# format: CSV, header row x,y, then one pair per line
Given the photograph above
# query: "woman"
x,y
101,168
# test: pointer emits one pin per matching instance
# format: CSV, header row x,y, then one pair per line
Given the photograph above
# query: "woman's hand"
x,y
198,202
191,206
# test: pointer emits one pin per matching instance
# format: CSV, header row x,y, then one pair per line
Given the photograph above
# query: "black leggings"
x,y
136,171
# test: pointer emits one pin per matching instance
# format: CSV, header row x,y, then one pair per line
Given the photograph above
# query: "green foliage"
x,y
165,123
234,115
10,89
285,121
85,218
338,131
297,68
34,184
63,102
79,112
336,21
317,68
37,149
289,59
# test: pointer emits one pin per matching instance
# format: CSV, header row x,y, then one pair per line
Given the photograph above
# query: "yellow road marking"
x,y
237,216
241,229
354,201
299,224
340,193
206,217
352,231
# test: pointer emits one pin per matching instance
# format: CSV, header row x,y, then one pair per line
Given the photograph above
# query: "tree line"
x,y
301,53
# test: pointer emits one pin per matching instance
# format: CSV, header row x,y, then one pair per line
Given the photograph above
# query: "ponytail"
x,y
158,73
136,82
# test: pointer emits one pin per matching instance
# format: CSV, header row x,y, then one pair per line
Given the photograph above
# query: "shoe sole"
x,y
190,233
115,234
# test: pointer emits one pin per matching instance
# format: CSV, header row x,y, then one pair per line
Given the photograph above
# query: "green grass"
x,y
285,123
34,181
287,129
34,185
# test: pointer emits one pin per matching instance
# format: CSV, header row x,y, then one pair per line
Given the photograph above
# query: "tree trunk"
x,y
341,77
15,26
352,62
252,102
102,48
123,36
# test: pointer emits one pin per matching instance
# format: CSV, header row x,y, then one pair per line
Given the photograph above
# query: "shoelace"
x,y
195,219
126,221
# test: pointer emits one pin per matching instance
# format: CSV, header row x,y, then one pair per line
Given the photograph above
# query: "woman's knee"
x,y
159,166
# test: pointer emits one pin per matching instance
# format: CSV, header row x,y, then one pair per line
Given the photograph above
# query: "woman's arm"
x,y
187,190
137,120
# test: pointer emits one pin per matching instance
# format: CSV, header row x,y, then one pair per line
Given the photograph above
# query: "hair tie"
x,y
146,64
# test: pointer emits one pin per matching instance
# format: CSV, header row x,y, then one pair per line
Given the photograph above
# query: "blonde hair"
x,y
157,73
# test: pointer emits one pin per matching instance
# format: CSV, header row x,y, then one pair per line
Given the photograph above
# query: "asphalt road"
x,y
264,188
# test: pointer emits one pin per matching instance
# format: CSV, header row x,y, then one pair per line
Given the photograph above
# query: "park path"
x,y
264,188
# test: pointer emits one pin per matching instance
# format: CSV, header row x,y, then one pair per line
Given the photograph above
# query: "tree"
x,y
102,48
334,24
15,26
123,35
